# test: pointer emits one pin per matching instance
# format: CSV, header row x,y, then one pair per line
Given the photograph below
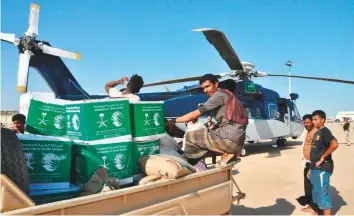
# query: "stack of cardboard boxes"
x,y
148,128
69,140
101,132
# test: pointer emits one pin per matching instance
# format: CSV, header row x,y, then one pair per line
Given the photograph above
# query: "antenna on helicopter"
x,y
289,64
29,46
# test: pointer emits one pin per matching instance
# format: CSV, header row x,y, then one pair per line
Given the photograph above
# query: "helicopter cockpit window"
x,y
272,111
258,113
248,112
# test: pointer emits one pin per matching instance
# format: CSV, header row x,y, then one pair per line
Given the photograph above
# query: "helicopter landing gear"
x,y
243,152
282,142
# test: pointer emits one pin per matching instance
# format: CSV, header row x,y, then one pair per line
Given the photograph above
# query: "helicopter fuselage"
x,y
270,116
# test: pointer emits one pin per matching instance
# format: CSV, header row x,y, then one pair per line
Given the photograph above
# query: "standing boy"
x,y
323,144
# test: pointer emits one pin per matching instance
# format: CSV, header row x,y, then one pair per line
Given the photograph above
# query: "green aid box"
x,y
98,119
147,119
141,149
46,117
47,196
113,154
48,161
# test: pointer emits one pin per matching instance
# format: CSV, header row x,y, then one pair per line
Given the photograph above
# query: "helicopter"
x,y
270,116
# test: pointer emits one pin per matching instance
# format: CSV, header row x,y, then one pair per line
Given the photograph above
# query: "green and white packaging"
x,y
46,116
113,154
48,161
54,195
147,119
98,119
141,149
25,100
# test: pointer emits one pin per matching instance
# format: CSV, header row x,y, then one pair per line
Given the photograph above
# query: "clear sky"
x,y
153,38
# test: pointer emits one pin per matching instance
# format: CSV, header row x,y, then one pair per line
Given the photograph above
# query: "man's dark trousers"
x,y
307,198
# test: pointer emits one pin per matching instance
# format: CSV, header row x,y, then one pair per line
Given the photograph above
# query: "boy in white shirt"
x,y
134,85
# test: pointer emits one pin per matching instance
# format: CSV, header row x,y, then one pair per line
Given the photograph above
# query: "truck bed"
x,y
207,192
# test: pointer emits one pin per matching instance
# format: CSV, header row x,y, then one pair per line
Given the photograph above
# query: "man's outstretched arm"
x,y
189,116
113,84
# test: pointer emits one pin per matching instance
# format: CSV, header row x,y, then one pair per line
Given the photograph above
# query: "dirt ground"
x,y
272,178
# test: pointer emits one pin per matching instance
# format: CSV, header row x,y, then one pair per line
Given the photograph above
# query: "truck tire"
x,y
13,162
243,152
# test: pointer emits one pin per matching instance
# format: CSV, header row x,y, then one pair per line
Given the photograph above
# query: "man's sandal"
x,y
223,163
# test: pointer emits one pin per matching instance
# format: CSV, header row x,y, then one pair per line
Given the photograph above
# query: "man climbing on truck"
x,y
134,85
228,138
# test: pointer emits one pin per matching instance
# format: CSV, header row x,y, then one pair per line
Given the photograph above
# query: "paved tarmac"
x,y
272,178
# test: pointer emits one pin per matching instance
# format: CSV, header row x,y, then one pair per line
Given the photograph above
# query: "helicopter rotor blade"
x,y
314,78
59,52
260,74
223,46
10,38
33,20
173,81
22,75
187,79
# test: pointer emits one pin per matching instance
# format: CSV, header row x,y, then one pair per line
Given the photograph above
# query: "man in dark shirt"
x,y
209,124
346,126
323,144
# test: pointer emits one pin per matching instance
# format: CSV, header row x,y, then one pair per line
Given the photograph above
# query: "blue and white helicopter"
x,y
271,117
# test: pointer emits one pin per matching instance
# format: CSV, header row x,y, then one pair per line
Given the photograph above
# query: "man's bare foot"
x,y
314,213
309,209
225,158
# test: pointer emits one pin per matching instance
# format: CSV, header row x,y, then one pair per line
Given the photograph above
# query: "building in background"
x,y
342,114
6,118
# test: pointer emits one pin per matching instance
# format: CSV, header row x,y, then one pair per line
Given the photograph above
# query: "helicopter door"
x,y
283,108
272,108
287,120
296,127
